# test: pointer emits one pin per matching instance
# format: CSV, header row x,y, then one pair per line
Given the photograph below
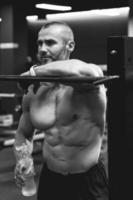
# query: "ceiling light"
x,y
0,19
53,7
91,13
32,17
9,45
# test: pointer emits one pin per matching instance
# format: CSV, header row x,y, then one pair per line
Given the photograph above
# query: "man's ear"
x,y
70,45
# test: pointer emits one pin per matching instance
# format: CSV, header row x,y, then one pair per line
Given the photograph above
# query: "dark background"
x,y
91,35
91,46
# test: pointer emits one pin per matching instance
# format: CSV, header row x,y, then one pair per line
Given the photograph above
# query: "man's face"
x,y
51,45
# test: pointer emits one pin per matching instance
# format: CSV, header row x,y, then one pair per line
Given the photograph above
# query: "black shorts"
x,y
90,185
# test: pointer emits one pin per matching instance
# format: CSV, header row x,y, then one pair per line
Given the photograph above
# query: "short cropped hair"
x,y
60,23
51,23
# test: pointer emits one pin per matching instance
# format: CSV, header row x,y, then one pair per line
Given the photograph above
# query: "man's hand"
x,y
19,178
26,74
31,72
23,85
24,168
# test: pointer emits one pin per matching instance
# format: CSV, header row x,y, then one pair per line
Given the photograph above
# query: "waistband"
x,y
66,172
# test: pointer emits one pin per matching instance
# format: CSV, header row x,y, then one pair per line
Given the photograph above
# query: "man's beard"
x,y
46,60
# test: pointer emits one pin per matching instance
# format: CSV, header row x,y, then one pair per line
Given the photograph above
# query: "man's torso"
x,y
72,122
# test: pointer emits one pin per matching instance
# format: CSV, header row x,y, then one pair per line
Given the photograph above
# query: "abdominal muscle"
x,y
65,158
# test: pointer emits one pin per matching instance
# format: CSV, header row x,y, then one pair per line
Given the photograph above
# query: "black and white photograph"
x,y
66,99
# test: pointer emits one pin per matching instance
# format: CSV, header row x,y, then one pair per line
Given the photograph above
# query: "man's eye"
x,y
50,42
39,43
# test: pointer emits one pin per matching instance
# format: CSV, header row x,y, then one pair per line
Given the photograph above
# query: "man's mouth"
x,y
46,59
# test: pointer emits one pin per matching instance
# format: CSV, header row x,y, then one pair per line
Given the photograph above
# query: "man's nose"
x,y
44,47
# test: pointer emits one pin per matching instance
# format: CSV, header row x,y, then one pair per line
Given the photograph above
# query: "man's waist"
x,y
69,167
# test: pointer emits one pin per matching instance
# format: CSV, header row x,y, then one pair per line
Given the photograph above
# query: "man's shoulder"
x,y
84,63
87,68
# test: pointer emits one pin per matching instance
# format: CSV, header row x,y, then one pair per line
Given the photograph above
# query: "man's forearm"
x,y
63,68
20,144
22,147
54,68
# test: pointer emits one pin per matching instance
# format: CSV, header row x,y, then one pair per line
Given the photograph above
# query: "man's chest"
x,y
59,105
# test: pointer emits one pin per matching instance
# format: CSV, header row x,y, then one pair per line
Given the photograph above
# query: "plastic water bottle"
x,y
29,188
